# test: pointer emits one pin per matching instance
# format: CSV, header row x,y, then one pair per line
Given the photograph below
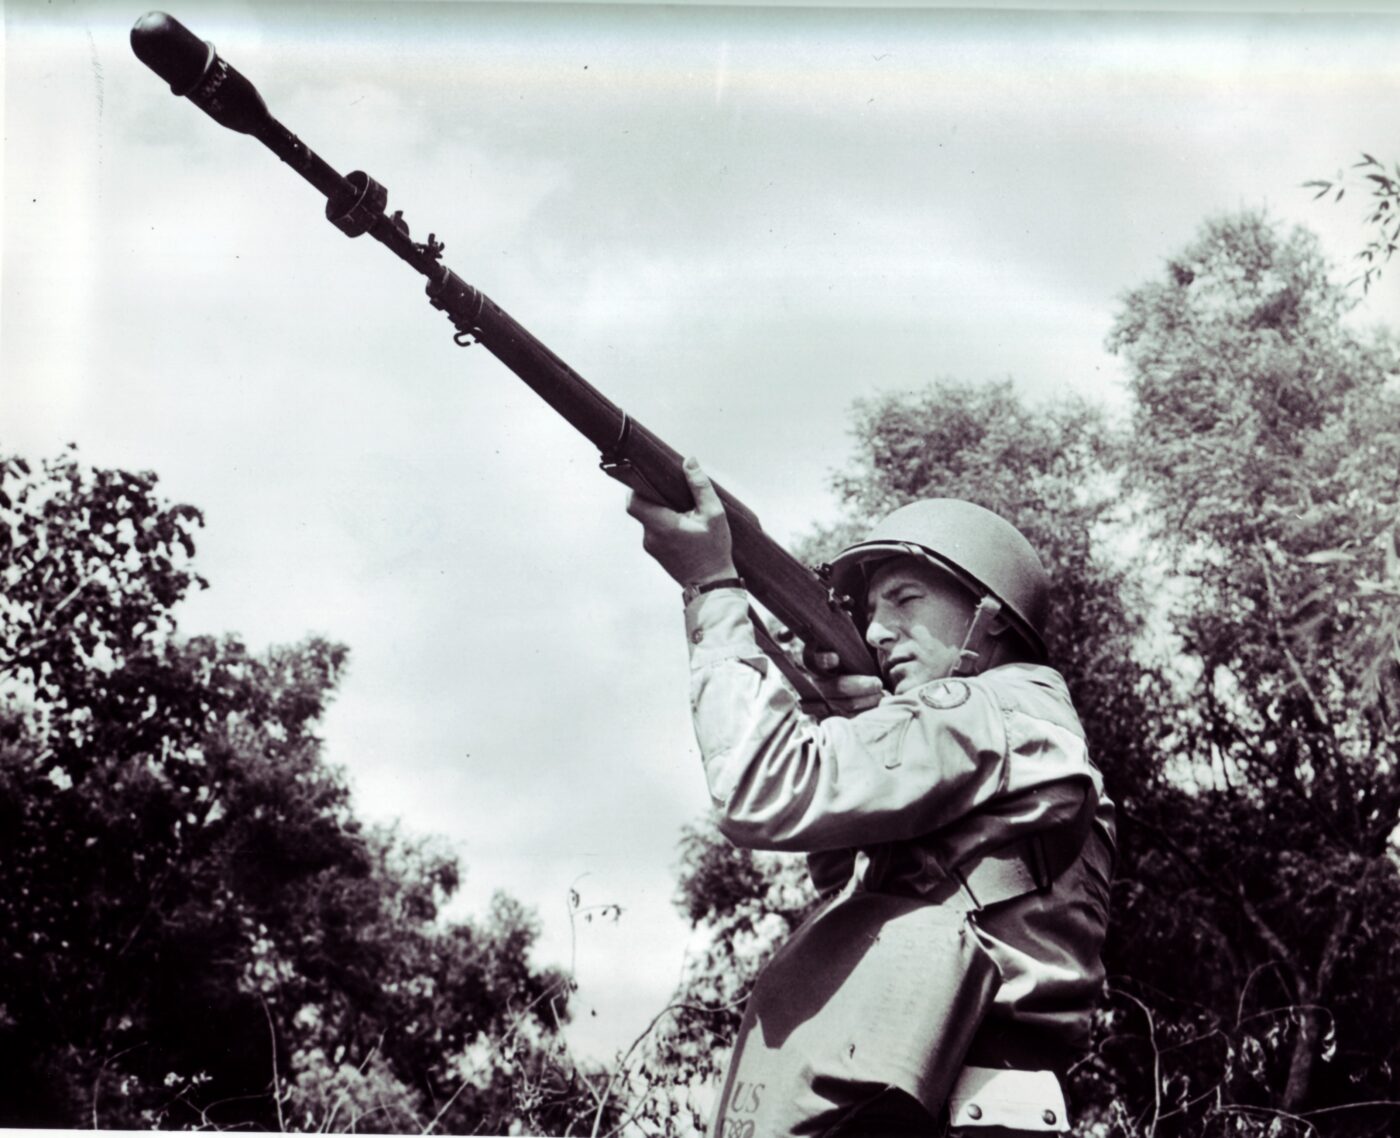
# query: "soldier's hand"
x,y
845,694
695,546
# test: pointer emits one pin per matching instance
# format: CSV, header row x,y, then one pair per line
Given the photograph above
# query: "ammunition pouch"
x,y
880,990
873,991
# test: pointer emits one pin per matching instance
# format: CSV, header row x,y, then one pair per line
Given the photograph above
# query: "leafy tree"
x,y
1267,436
195,930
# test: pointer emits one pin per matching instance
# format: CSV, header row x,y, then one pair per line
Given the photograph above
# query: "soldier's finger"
x,y
856,687
647,512
839,706
702,489
853,705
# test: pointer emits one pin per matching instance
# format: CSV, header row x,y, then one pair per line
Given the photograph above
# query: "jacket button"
x,y
697,636
973,1110
1049,1117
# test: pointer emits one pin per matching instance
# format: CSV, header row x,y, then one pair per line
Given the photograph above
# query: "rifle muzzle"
x,y
194,70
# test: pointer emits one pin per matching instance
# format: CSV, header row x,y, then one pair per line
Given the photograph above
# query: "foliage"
x,y
1383,213
746,903
195,929
1268,436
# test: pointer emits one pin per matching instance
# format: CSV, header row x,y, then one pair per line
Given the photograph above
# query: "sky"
x,y
736,221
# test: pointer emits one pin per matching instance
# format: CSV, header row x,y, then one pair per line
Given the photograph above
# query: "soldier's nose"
x,y
877,635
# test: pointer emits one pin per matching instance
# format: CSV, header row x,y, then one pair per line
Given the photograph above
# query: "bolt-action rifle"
x,y
796,595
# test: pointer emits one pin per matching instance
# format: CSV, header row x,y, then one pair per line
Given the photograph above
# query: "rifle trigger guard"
x,y
465,339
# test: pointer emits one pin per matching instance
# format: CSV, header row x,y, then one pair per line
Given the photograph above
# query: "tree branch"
x,y
1265,933
622,1063
1299,676
446,1106
1156,1060
1304,1056
276,1079
1350,1106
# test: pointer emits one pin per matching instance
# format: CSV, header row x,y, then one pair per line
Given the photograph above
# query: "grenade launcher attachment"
x,y
796,595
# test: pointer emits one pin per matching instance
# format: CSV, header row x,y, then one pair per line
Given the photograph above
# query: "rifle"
x,y
795,594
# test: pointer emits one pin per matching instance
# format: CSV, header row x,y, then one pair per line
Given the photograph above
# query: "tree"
x,y
1267,435
195,929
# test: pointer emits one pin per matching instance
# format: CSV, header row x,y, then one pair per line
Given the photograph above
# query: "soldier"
x,y
953,822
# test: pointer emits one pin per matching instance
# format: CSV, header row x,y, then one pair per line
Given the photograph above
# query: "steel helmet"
x,y
984,551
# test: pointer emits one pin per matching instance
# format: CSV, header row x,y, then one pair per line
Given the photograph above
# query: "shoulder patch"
x,y
945,694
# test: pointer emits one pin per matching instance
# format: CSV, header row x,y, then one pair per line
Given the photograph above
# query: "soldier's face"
x,y
918,618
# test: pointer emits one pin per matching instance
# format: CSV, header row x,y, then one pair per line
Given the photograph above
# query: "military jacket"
x,y
902,798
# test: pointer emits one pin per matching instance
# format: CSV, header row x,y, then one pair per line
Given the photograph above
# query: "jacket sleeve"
x,y
781,780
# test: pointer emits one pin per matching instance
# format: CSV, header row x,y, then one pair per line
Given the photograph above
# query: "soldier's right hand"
x,y
845,694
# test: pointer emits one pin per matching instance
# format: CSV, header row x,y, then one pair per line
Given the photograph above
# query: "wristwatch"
x,y
690,592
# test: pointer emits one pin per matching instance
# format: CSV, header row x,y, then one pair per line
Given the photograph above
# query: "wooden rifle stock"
x,y
796,595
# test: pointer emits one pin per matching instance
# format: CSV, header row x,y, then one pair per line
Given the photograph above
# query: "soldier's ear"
x,y
1005,639
1000,627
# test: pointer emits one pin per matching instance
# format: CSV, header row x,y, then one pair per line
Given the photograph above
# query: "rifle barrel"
x,y
355,204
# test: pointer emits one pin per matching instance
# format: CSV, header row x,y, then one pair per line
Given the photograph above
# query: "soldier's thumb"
x,y
701,488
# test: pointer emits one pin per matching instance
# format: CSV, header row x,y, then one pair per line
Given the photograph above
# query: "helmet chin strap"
x,y
978,638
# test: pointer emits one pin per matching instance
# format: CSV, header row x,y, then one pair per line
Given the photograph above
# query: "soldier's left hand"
x,y
695,546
